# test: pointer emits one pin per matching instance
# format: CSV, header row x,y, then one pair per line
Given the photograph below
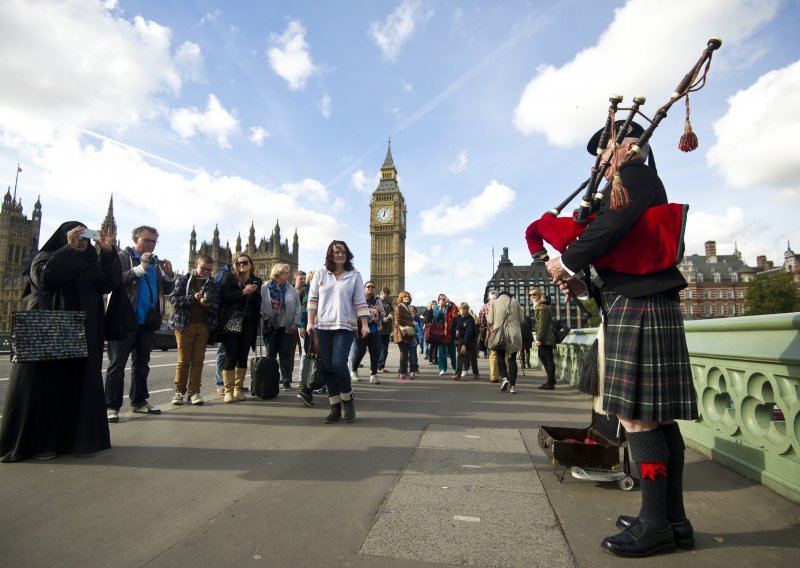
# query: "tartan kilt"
x,y
647,372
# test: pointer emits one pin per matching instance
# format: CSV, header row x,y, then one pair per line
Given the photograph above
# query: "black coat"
x,y
232,299
59,406
610,226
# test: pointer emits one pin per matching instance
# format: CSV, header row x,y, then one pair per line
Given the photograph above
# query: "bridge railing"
x,y
746,373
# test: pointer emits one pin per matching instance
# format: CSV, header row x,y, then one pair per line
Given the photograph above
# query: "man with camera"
x,y
145,279
195,300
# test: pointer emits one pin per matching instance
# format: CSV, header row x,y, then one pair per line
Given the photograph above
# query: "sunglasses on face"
x,y
242,262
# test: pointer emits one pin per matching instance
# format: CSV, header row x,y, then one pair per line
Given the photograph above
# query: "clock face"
x,y
384,215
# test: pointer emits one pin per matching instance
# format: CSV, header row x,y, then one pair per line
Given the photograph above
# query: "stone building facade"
x,y
717,284
19,243
265,253
519,280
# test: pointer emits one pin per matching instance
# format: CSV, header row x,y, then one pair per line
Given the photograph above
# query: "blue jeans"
x,y
384,351
220,363
334,347
413,362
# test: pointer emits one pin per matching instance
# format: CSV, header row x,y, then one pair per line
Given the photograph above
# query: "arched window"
x,y
734,277
717,277
699,278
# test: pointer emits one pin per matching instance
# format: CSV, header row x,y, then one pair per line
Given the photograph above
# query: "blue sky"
x,y
205,113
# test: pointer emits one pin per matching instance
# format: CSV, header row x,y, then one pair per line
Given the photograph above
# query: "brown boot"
x,y
238,393
228,378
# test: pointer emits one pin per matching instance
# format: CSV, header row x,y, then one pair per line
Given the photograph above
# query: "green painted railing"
x,y
746,372
5,341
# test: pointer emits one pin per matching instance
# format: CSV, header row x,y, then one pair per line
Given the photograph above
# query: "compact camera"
x,y
90,234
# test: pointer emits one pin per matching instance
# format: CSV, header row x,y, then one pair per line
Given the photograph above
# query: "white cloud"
x,y
466,241
407,87
189,60
257,135
325,106
754,137
147,194
359,181
460,163
726,226
215,122
109,71
557,104
289,56
450,219
398,27
308,189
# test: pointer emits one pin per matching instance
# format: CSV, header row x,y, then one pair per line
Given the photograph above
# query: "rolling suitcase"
x,y
265,375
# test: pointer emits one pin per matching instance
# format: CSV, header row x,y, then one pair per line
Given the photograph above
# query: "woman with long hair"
x,y
281,310
403,320
335,303
55,407
240,294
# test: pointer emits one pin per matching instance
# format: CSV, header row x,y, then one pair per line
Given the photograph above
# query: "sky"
x,y
204,113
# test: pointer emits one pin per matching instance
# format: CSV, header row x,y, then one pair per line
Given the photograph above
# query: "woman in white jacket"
x,y
335,302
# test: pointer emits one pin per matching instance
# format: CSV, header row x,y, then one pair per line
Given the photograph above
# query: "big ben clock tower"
x,y
387,229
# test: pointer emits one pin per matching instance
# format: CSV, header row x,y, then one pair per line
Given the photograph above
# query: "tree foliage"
x,y
772,294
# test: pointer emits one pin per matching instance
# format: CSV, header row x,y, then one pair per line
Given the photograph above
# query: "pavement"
x,y
432,472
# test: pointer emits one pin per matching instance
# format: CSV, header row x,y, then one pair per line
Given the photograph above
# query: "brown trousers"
x,y
191,353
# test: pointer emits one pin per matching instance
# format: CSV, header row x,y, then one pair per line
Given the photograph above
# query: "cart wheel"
x,y
625,483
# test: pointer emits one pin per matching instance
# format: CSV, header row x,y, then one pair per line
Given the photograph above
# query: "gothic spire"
x,y
388,163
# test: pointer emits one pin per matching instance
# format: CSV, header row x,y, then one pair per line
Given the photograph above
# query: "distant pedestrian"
x,y
466,332
505,337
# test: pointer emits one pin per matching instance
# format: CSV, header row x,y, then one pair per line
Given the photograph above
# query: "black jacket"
x,y
602,236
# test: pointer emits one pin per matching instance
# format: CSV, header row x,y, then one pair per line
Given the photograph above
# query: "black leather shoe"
x,y
684,533
547,386
639,540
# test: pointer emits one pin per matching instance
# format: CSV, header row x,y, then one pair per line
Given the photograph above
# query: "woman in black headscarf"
x,y
58,407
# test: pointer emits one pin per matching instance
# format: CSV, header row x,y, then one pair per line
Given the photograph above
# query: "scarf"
x,y
277,295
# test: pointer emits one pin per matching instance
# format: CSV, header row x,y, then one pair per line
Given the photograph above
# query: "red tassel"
x,y
650,470
619,198
689,139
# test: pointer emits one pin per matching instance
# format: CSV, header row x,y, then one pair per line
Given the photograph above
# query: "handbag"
x,y
235,322
407,330
435,334
45,335
561,330
311,374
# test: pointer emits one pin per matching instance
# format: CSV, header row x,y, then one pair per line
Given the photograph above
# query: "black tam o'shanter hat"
x,y
635,131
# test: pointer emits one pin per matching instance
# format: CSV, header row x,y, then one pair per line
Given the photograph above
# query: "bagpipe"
x,y
655,241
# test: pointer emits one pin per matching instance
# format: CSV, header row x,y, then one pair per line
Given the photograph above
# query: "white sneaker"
x,y
374,380
112,415
505,384
178,398
354,376
511,390
196,399
412,375
463,373
441,373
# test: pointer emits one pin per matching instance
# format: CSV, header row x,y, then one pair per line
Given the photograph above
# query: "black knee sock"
x,y
676,447
649,449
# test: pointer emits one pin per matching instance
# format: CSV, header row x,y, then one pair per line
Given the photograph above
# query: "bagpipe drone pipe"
x,y
655,242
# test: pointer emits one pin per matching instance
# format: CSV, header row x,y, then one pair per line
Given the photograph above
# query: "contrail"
x,y
140,151
525,31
